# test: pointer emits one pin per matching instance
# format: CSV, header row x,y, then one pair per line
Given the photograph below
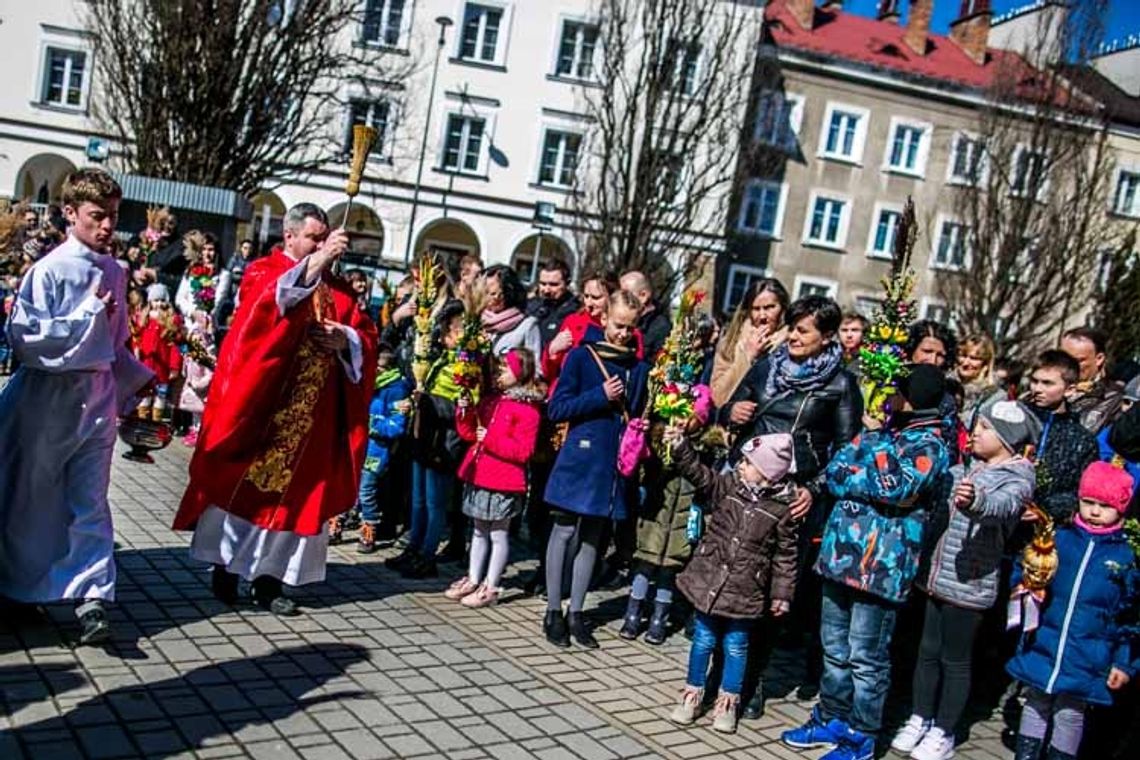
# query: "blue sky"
x,y
1124,15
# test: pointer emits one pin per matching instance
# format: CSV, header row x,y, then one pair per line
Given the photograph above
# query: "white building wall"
x,y
518,96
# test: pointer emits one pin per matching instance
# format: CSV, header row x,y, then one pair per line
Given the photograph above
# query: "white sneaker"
x,y
910,735
936,745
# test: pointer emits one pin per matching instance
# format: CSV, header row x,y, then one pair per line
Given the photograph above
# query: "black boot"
x,y
580,631
94,626
224,585
658,624
1027,748
554,627
268,595
631,627
1055,754
401,560
420,568
755,707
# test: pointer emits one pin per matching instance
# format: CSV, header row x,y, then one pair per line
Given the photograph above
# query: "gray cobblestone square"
x,y
377,667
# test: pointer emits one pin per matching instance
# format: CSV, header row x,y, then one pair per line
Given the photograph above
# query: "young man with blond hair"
x,y
57,415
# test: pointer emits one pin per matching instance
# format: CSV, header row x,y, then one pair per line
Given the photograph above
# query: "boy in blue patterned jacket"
x,y
882,482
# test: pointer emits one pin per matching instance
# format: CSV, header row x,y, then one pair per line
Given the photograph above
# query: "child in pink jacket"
x,y
504,427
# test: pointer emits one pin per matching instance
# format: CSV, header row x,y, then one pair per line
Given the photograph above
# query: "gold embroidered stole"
x,y
272,471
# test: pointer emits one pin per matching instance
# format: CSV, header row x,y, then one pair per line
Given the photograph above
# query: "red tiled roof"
x,y
880,43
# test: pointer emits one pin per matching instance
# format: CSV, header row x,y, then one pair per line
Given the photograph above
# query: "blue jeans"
x,y
708,632
855,629
431,494
366,498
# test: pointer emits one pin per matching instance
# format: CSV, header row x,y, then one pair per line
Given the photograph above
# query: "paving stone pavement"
x,y
377,667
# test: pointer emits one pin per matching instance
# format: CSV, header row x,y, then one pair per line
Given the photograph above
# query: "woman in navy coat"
x,y
601,386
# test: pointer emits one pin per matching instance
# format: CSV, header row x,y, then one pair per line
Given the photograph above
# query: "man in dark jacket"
x,y
1094,399
654,322
555,301
1066,447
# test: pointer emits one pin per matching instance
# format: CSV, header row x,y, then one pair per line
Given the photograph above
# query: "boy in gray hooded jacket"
x,y
962,573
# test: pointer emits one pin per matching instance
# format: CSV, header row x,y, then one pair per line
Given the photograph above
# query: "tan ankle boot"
x,y
724,714
689,708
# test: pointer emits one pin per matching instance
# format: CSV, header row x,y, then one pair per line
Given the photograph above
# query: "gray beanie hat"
x,y
158,292
1013,422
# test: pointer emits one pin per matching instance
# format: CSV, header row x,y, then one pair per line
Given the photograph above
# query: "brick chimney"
x,y
889,11
803,11
918,25
971,30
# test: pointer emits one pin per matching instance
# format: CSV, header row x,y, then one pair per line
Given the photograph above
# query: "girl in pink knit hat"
x,y
1078,654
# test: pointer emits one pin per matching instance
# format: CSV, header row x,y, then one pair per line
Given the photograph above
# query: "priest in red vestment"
x,y
285,428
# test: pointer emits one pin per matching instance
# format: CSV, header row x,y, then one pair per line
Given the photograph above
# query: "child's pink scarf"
x,y
1095,530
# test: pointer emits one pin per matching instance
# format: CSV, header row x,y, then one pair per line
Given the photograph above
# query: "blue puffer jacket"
x,y
1078,640
883,482
385,425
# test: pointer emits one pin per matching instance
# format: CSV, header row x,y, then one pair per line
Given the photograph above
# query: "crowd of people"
x,y
779,509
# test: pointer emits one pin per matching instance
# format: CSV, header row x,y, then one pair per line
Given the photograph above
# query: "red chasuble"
x,y
283,436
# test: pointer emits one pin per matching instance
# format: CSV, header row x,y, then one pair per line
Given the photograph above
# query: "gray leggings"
x,y
589,530
1066,713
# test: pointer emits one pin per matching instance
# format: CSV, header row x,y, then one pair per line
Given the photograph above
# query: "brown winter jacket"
x,y
748,553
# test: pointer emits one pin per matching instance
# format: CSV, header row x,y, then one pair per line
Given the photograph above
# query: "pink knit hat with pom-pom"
x,y
1107,484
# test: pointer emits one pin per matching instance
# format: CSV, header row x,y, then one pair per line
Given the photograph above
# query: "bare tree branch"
x,y
667,128
1036,212
231,93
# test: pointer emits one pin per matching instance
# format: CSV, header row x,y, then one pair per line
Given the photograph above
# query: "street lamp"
x,y
542,221
443,22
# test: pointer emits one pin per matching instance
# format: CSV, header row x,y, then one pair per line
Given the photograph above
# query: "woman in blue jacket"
x,y
601,386
1078,654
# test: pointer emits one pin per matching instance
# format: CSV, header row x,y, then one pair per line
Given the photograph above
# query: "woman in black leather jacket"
x,y
801,388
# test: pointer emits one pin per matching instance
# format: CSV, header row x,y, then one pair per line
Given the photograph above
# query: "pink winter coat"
x,y
499,462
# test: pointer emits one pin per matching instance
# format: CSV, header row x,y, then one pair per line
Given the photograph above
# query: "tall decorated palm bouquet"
x,y
159,221
673,381
882,357
474,347
427,288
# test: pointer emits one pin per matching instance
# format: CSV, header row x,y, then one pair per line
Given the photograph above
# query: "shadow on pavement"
x,y
226,704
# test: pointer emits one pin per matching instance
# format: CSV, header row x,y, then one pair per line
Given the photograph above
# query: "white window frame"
x,y
501,43
383,149
560,29
403,33
1020,150
547,128
859,139
928,303
926,130
832,286
458,107
777,232
678,69
983,161
880,207
875,299
1118,175
967,255
66,41
751,272
682,182
795,119
844,221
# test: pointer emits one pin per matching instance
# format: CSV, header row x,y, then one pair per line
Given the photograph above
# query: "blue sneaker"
x,y
815,733
853,745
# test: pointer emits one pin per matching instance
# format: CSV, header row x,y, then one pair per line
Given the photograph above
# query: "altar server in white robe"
x,y
58,413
